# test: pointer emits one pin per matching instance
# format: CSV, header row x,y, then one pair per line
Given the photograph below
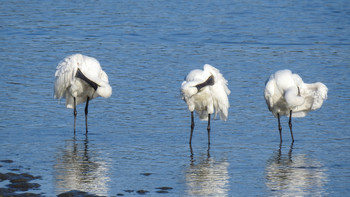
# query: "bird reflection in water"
x,y
207,177
298,175
78,168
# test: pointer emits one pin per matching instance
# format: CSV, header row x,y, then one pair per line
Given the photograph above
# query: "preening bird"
x,y
206,92
287,95
80,78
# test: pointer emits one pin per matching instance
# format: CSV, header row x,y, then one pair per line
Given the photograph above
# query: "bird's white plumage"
x,y
68,85
210,99
286,91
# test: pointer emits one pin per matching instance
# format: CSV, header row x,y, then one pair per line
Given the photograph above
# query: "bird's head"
x,y
104,90
98,83
188,89
193,87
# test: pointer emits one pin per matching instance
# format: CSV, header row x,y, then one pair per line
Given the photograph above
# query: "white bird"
x,y
287,95
80,78
206,92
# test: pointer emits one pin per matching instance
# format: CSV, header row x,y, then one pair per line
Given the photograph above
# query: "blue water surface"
x,y
138,138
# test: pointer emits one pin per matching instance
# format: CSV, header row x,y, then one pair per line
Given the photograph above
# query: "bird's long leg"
x,y
208,128
290,151
86,113
290,125
192,127
191,151
279,127
75,113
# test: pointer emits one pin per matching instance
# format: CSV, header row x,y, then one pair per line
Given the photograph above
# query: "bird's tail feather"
x,y
319,94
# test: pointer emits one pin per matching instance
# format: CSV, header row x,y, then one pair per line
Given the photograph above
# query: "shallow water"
x,y
138,138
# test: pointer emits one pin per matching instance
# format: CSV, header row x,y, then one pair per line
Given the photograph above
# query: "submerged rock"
x,y
6,161
146,174
162,192
23,186
19,182
6,191
164,188
13,177
3,177
142,191
76,193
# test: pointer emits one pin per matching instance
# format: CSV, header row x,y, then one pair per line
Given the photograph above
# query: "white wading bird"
x,y
287,95
205,91
79,78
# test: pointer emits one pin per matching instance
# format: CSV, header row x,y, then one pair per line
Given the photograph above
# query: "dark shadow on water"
x,y
78,167
205,176
298,175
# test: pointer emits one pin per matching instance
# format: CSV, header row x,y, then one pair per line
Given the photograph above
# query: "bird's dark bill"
x,y
80,75
208,82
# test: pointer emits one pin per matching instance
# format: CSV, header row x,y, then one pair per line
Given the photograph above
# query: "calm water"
x,y
138,138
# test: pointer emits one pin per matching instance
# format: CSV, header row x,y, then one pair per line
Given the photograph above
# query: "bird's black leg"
x,y
290,125
279,127
208,128
191,151
86,113
75,113
192,127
